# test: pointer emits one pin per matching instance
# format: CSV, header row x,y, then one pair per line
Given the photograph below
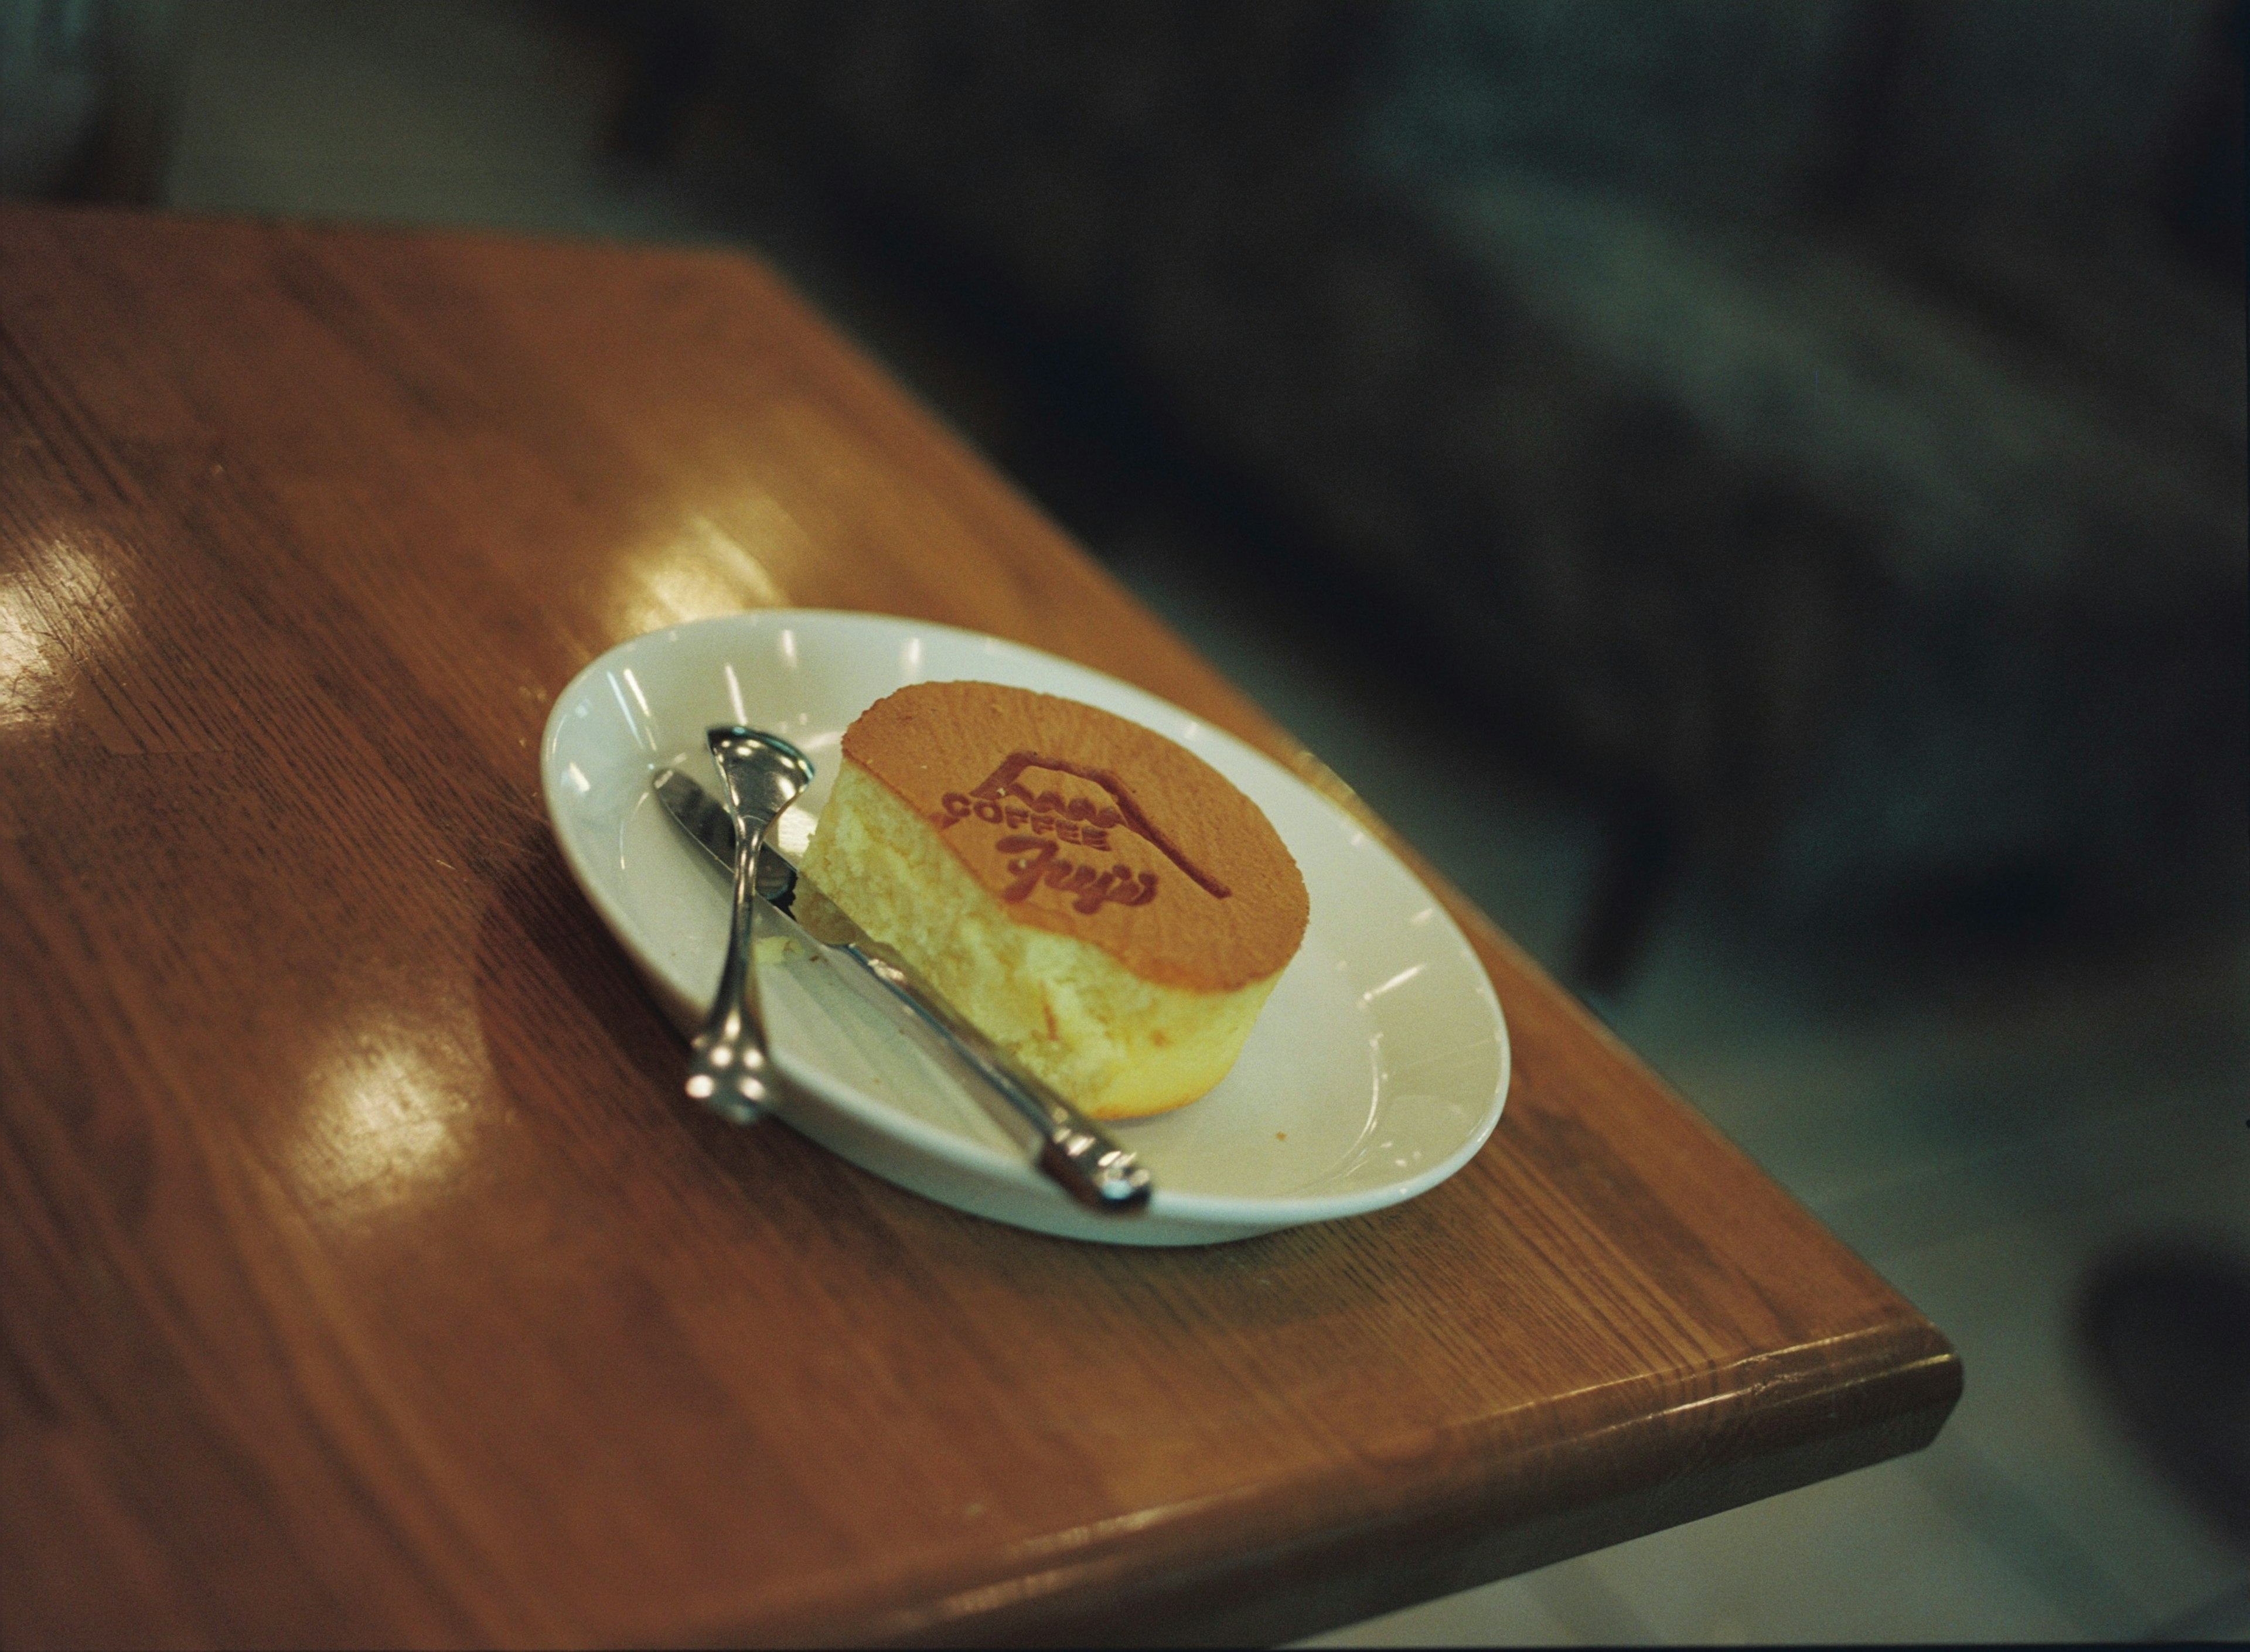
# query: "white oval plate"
x,y
1376,1069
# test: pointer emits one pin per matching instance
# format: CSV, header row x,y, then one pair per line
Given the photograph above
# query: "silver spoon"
x,y
727,1071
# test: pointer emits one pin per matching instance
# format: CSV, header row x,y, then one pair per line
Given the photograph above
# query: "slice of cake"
x,y
1099,900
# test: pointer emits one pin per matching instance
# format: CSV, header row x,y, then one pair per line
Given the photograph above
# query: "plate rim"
x,y
1246,1213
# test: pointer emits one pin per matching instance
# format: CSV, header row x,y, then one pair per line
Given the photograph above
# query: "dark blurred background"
x,y
1814,433
1756,491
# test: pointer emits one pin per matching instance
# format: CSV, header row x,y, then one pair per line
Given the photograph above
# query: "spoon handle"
x,y
728,1069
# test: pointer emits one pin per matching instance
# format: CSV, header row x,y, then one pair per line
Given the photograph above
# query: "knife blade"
x,y
1075,1151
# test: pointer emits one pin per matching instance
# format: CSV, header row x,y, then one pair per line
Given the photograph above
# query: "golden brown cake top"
x,y
1087,825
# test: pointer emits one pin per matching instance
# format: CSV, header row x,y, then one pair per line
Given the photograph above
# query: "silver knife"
x,y
1075,1151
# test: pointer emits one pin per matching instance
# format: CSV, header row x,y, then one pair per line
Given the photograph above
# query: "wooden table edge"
x,y
1294,1562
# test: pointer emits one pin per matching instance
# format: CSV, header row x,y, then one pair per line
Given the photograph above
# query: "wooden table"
x,y
367,1278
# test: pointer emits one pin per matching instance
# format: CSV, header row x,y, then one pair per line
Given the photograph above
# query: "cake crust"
x,y
1087,825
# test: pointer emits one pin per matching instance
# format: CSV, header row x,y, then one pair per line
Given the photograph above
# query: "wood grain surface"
x,y
368,1279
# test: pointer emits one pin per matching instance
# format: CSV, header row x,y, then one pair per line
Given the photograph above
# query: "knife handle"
x,y
1073,1150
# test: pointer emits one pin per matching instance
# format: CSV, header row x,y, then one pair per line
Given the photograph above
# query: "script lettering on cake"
x,y
1036,861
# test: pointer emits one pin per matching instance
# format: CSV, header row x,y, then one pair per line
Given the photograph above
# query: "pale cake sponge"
x,y
1097,899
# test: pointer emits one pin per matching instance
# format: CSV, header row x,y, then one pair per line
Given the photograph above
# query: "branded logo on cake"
x,y
1037,824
